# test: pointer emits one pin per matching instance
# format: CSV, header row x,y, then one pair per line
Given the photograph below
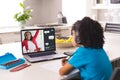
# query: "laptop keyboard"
x,y
42,54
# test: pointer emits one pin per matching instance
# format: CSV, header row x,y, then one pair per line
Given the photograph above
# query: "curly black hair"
x,y
90,33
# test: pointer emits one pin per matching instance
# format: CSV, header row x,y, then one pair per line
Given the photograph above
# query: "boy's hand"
x,y
64,61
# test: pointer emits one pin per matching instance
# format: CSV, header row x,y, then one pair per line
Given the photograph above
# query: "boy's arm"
x,y
65,69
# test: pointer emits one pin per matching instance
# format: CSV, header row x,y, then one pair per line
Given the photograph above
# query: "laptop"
x,y
39,45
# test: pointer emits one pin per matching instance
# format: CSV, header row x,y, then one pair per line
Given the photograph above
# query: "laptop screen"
x,y
38,40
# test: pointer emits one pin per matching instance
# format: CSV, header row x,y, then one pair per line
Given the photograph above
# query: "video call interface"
x,y
38,40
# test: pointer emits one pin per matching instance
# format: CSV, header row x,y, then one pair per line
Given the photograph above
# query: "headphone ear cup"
x,y
77,40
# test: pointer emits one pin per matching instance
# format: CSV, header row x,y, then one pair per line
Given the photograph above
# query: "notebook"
x,y
39,45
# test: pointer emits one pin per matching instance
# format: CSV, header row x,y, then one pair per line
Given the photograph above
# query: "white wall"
x,y
76,9
44,11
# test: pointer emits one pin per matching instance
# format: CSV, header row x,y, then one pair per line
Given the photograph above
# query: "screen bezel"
x,y
39,51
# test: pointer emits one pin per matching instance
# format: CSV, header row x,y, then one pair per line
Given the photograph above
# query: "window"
x,y
74,9
7,10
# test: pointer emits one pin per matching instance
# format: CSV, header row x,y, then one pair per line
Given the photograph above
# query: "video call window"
x,y
38,40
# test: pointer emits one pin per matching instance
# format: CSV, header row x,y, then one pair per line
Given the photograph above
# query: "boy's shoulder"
x,y
81,48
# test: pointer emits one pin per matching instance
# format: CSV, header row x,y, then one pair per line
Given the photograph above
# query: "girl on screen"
x,y
30,42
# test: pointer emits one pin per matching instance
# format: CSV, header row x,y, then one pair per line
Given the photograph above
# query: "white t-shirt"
x,y
31,46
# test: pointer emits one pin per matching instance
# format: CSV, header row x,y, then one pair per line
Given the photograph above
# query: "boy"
x,y
90,57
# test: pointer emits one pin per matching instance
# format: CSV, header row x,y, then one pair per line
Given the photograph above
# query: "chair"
x,y
116,74
112,27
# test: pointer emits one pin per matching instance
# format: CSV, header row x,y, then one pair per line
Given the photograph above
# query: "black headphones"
x,y
77,38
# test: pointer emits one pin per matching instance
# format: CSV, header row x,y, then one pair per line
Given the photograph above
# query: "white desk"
x,y
112,45
36,72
